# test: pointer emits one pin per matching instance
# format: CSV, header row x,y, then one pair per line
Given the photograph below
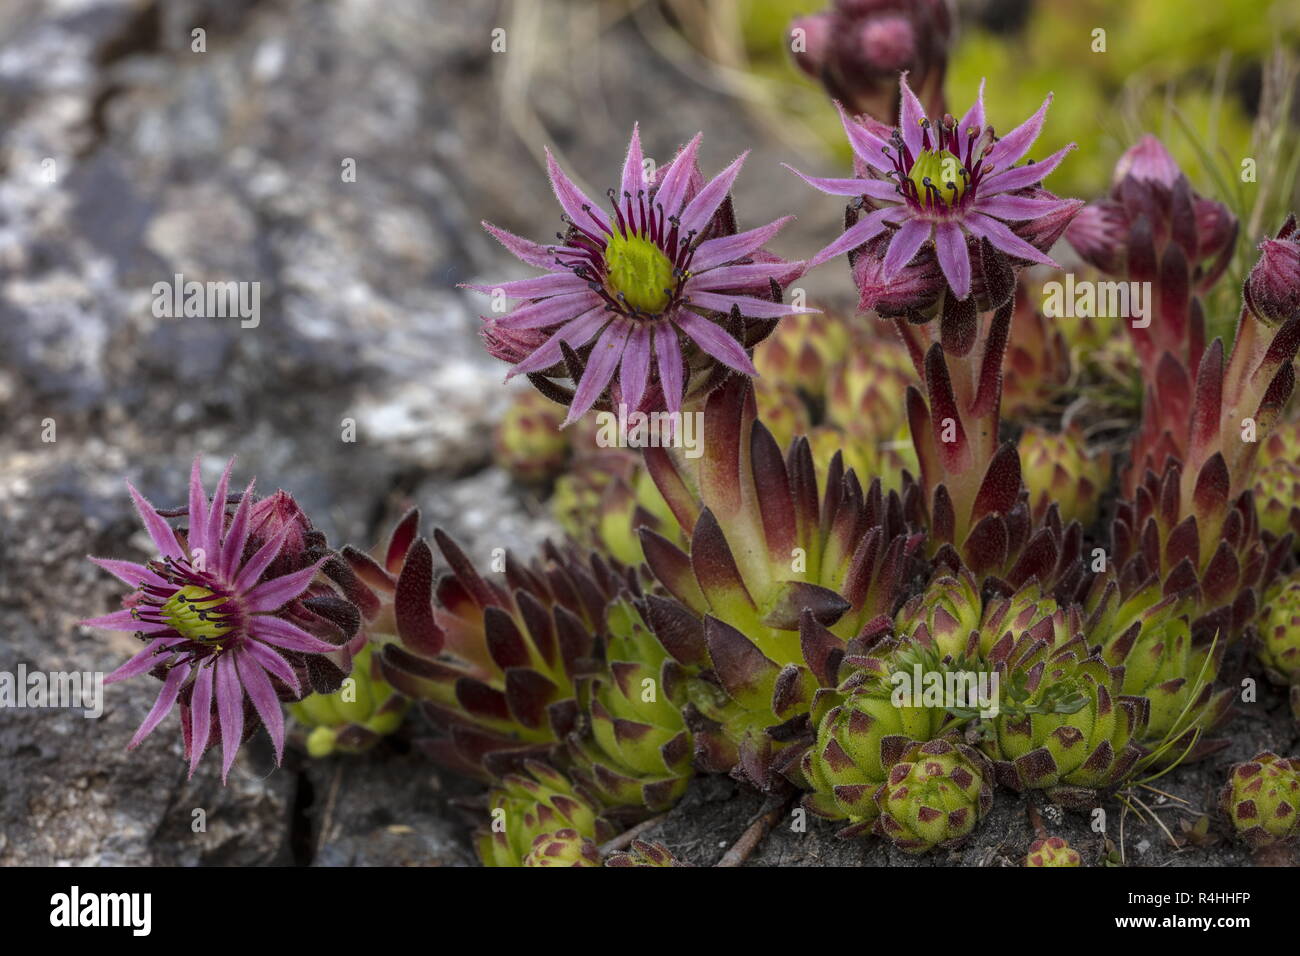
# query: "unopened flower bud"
x,y
1273,286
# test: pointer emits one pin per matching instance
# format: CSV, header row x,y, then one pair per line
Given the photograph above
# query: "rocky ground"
x,y
126,157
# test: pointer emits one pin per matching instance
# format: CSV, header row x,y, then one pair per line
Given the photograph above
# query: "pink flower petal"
x,y
163,705
1008,151
281,633
1018,177
867,146
547,312
128,572
217,516
580,209
905,245
555,283
264,699
868,227
123,621
954,258
677,177
525,250
714,339
144,661
700,210
200,716
605,358
274,664
749,306
198,529
260,561
716,252
635,367
668,359
1006,206
753,275
276,593
575,333
1000,234
230,712
232,549
633,168
164,538
910,114
883,189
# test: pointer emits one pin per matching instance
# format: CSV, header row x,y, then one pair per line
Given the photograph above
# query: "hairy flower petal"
x,y
905,244
954,257
575,333
605,359
715,252
715,340
700,210
163,705
1018,177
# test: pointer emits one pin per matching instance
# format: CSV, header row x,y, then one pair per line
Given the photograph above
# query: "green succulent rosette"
x,y
353,718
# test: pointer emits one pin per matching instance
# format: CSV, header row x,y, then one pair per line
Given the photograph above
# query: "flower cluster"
x,y
853,521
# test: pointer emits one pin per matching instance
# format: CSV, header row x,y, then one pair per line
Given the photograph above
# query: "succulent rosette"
x,y
862,732
1278,626
936,796
604,502
1052,851
227,637
635,750
1262,800
644,303
947,185
493,665
865,392
355,717
529,808
1148,635
775,578
564,847
1027,619
944,617
802,350
1066,726
1058,469
1277,497
527,442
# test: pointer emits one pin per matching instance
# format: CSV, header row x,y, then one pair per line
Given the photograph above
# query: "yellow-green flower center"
x,y
945,172
638,268
190,611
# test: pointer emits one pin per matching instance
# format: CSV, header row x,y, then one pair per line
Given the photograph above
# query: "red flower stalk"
x,y
970,495
1193,522
1153,228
